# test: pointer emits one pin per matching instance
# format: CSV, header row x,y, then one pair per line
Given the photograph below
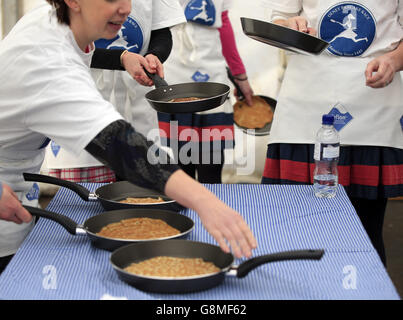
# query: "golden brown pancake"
x,y
185,99
164,266
138,228
255,116
142,200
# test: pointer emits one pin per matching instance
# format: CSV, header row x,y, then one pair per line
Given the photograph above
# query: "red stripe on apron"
x,y
392,175
354,174
289,170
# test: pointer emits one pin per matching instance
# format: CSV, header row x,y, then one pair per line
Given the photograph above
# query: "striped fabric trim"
x,y
368,172
80,175
197,127
282,218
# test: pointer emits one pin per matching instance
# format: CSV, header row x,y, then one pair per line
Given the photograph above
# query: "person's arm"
x,y
131,156
232,57
108,59
10,207
160,44
158,51
381,70
293,21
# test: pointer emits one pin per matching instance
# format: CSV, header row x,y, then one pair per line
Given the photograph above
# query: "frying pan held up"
x,y
134,253
210,94
282,37
94,224
111,194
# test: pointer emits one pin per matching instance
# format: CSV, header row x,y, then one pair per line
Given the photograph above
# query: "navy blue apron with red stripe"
x,y
365,171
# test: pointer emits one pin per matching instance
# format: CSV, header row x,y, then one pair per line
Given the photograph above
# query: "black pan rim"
x,y
225,269
84,226
224,93
140,240
321,44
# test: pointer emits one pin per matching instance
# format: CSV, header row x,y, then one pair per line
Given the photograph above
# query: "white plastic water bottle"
x,y
326,156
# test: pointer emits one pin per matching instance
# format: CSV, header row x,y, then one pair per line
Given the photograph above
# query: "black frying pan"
x,y
124,256
212,94
94,224
109,195
282,37
272,103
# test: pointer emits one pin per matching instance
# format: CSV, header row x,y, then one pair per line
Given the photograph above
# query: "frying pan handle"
x,y
83,192
238,89
249,265
64,221
158,81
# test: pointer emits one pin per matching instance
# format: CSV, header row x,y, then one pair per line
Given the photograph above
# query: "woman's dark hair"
x,y
62,11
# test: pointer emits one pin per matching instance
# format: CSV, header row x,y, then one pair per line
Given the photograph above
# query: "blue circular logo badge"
x,y
200,11
130,37
349,27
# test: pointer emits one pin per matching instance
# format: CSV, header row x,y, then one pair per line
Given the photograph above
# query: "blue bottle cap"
x,y
327,119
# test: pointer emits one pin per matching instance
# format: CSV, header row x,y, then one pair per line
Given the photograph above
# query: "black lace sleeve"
x,y
132,156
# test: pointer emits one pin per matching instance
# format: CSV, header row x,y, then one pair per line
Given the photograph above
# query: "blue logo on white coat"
x,y
349,27
55,148
340,119
33,194
130,37
401,122
200,77
201,11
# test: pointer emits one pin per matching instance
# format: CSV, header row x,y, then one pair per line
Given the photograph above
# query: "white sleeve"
x,y
285,6
227,4
275,15
167,13
400,12
69,109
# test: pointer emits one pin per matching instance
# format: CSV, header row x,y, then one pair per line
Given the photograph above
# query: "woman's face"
x,y
103,18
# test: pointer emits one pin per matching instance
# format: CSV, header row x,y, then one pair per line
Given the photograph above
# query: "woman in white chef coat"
x,y
52,95
357,80
143,41
201,50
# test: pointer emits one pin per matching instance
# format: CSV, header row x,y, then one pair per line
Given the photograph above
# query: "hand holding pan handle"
x,y
64,221
244,268
83,192
158,81
239,92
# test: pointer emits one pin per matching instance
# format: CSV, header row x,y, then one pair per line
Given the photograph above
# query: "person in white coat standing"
x,y
144,41
202,49
357,80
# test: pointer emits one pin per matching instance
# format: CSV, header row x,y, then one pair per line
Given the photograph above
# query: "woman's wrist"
x,y
122,57
241,77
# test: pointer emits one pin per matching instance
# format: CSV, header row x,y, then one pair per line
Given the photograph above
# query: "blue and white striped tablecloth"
x,y
52,264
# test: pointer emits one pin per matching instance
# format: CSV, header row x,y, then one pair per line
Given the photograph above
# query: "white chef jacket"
x,y
119,87
334,82
47,91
